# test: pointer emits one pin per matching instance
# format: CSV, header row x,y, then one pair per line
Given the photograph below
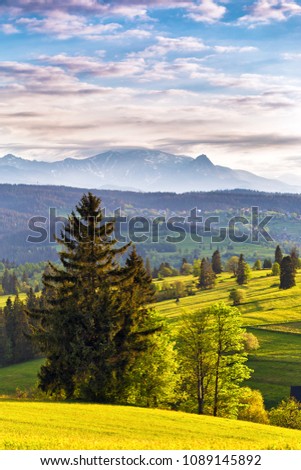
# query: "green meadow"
x,y
274,316
34,425
19,376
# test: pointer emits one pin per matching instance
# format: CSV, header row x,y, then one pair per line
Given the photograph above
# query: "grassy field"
x,y
273,315
3,299
22,376
34,425
264,302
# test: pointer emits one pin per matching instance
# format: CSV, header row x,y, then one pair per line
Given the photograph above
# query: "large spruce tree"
x,y
92,320
287,273
207,275
278,255
243,271
216,262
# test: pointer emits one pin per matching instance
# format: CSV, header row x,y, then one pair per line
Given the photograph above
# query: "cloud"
x,y
166,45
233,49
291,56
18,77
206,11
95,67
268,11
64,26
186,44
7,28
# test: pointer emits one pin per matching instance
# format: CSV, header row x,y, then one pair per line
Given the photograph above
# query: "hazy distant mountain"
x,y
136,169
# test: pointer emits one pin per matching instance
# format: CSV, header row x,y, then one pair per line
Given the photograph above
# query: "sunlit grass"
x,y
32,425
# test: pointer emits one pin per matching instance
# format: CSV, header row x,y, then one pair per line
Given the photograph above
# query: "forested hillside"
x,y
19,203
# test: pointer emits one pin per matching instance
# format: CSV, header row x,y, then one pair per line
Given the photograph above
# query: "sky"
x,y
214,77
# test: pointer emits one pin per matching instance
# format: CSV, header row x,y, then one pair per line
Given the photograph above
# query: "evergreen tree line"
x,y
15,342
19,279
10,283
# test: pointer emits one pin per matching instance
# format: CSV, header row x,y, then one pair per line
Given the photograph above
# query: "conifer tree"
x,y
10,328
278,255
243,271
76,320
287,273
216,262
6,282
207,276
295,257
148,267
92,322
18,345
135,322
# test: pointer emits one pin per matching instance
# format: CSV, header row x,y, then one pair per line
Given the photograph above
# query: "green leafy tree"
x,y
257,265
232,265
216,262
276,269
252,406
250,342
287,414
196,359
213,359
196,268
229,367
278,255
186,268
153,378
207,275
287,273
237,296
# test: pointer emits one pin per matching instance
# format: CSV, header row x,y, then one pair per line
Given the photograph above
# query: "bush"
x,y
287,414
251,342
252,407
237,296
257,265
276,269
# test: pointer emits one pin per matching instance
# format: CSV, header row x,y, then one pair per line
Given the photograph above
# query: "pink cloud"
x,y
268,11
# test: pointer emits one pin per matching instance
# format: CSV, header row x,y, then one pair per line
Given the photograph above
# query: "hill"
x,y
274,316
33,425
19,203
141,169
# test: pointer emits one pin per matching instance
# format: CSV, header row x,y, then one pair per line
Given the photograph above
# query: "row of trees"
x,y
15,344
103,343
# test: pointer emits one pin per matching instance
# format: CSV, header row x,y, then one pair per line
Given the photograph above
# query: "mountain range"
x,y
136,169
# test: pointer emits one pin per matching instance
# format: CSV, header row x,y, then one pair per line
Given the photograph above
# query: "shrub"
x,y
287,414
237,296
251,342
276,269
252,407
257,265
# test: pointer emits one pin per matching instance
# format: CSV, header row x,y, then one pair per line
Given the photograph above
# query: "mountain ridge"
x,y
137,170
